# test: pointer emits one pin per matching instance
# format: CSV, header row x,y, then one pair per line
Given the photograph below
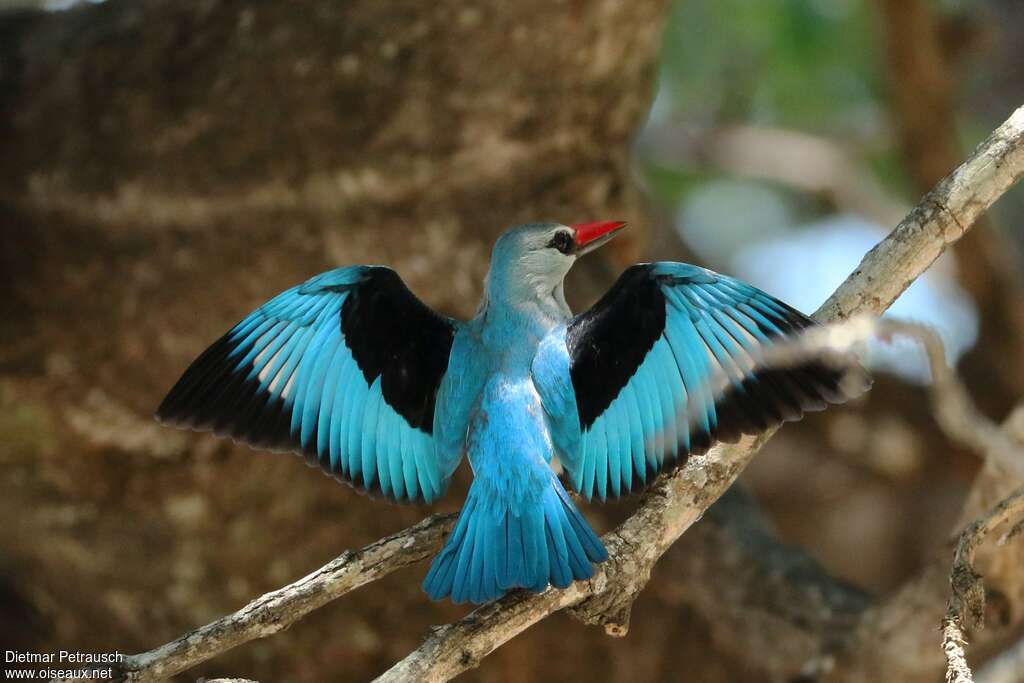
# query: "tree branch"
x,y
960,420
669,509
967,602
957,670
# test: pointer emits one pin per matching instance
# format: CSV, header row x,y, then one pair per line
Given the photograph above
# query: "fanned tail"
x,y
497,546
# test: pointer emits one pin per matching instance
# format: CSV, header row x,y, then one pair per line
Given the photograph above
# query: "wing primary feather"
x,y
393,452
375,457
306,375
311,401
612,424
682,405
638,466
328,398
369,435
407,459
338,435
588,464
672,390
624,461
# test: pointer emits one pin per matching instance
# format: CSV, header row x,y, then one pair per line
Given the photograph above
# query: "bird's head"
x,y
532,260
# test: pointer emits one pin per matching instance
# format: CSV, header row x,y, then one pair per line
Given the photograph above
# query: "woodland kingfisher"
x,y
353,371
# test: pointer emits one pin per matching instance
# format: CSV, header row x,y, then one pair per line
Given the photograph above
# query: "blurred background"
x,y
165,167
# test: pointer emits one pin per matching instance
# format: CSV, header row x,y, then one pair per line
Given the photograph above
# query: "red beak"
x,y
590,232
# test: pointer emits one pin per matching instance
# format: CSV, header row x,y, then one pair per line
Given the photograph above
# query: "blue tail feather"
x,y
560,577
517,551
494,548
478,564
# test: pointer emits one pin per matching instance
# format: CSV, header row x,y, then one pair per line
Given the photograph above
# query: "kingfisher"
x,y
351,370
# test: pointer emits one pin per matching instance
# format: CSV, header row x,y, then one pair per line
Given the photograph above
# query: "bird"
x,y
355,373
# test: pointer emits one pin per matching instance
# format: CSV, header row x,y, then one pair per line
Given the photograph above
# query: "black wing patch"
x,y
395,336
607,343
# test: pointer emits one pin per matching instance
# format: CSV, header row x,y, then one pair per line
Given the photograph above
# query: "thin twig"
x,y
967,601
957,670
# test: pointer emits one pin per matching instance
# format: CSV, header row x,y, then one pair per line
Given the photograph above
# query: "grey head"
x,y
529,262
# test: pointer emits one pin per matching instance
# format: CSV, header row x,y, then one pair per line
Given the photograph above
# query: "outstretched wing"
x,y
344,369
626,385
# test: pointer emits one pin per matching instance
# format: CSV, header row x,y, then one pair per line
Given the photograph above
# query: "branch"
x,y
957,670
967,602
925,42
674,503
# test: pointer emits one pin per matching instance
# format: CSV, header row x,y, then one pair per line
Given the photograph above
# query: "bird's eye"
x,y
563,241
